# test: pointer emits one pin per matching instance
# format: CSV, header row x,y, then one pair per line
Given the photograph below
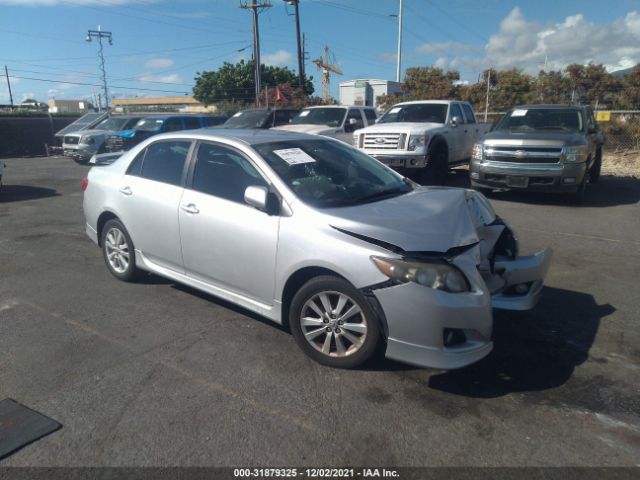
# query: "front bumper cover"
x,y
418,317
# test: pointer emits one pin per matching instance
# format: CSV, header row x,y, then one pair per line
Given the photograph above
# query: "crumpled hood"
x,y
308,128
429,219
401,127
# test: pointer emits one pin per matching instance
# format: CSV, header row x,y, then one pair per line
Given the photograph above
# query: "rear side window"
x,y
163,162
172,124
468,113
224,173
371,116
191,122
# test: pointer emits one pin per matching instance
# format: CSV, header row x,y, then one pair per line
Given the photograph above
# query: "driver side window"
x,y
357,116
223,172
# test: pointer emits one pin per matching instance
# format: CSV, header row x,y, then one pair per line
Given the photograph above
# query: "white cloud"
x,y
446,47
158,63
388,57
441,63
277,59
528,44
150,78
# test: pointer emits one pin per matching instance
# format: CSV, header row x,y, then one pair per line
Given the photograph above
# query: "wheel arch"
x,y
439,141
296,280
102,220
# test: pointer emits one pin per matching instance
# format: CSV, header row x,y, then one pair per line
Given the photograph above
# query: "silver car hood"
x,y
429,219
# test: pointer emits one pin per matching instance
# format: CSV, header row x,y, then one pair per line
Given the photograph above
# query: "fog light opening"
x,y
569,180
453,337
413,161
521,289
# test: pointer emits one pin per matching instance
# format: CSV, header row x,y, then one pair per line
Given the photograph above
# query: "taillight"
x,y
85,183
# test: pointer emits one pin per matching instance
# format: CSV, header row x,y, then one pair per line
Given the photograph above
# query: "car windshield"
x,y
416,113
331,117
116,123
325,173
568,119
149,124
249,119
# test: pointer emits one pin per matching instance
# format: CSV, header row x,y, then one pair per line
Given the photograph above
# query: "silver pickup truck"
x,y
554,148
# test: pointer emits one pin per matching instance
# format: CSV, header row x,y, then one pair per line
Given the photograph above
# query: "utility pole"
x,y
295,4
399,43
486,103
255,8
100,34
6,72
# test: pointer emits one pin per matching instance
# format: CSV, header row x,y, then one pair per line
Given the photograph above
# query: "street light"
x,y
100,34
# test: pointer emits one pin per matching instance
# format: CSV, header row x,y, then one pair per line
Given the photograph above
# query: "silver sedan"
x,y
316,235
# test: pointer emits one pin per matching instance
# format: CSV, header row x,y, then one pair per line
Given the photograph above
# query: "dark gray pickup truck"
x,y
555,148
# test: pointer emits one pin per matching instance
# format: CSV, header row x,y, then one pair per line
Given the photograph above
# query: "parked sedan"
x,y
309,232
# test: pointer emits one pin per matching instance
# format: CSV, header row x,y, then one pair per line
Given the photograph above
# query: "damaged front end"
x,y
432,317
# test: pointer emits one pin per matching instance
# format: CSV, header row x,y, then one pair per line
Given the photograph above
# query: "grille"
x,y
384,141
71,140
523,154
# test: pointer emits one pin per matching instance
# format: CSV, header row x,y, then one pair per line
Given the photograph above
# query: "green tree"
x,y
550,87
235,82
630,95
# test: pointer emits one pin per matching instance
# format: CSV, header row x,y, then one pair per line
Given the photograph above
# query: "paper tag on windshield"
x,y
395,110
238,114
294,156
519,113
304,113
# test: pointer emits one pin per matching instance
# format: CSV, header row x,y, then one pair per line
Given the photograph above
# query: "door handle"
x,y
126,190
190,208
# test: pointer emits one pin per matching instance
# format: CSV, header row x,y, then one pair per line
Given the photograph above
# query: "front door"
x,y
225,242
457,135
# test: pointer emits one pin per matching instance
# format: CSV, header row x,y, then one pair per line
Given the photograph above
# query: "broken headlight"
x,y
433,275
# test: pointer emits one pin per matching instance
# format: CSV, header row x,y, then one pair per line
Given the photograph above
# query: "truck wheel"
x,y
435,173
594,173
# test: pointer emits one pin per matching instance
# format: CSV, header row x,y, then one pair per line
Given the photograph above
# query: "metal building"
x,y
365,91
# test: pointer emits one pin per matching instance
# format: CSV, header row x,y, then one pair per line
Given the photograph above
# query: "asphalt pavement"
x,y
157,374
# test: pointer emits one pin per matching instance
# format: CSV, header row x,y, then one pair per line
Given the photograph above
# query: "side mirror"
x,y
262,199
455,121
352,121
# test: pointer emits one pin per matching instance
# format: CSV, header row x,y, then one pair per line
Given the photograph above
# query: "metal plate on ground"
x,y
20,426
518,182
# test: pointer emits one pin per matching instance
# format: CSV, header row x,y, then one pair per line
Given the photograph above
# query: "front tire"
x,y
435,173
596,168
333,324
118,251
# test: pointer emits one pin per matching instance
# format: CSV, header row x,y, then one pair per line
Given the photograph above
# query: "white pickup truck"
x,y
424,137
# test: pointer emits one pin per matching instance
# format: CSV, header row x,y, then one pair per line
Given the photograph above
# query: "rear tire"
x,y
118,251
332,323
435,173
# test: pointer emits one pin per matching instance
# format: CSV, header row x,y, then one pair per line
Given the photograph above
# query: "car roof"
x,y
550,107
426,102
248,136
161,116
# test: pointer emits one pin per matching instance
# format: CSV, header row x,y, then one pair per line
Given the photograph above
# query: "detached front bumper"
x,y
552,177
436,329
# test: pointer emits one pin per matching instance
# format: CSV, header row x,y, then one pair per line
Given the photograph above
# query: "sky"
x,y
160,45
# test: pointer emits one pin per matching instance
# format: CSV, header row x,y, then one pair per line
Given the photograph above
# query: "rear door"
x,y
226,242
457,134
149,194
471,129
